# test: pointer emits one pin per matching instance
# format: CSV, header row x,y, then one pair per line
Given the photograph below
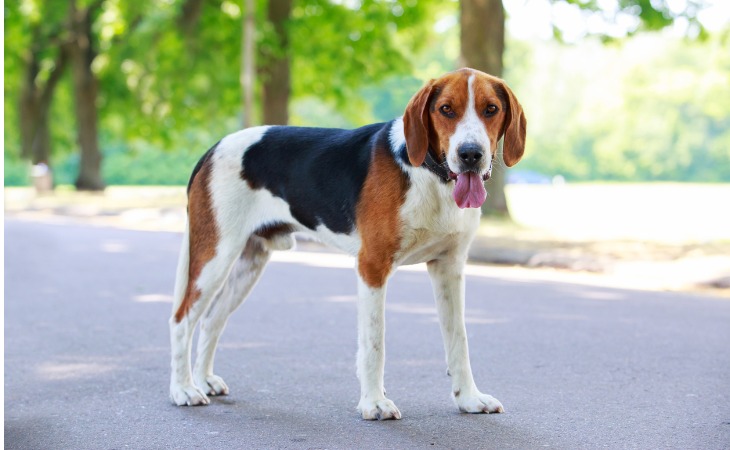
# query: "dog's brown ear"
x,y
514,129
416,125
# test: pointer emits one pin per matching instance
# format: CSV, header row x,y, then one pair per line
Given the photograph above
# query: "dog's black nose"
x,y
470,154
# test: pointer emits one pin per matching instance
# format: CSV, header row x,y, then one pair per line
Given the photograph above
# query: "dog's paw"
x,y
212,385
382,409
187,395
478,403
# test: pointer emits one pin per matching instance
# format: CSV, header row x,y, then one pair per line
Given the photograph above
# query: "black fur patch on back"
x,y
318,171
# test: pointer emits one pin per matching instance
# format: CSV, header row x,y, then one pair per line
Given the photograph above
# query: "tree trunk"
x,y
276,78
190,17
81,54
482,47
35,136
248,63
34,107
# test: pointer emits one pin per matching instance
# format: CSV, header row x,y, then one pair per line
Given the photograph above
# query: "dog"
x,y
401,192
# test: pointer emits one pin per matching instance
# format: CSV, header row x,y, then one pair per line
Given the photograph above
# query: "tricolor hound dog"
x,y
400,192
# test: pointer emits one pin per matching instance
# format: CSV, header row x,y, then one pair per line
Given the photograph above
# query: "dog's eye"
x,y
447,111
491,110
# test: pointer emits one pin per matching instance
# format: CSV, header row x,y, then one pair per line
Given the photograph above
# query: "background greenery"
x,y
653,107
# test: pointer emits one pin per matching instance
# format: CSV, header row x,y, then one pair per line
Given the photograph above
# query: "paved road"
x,y
86,357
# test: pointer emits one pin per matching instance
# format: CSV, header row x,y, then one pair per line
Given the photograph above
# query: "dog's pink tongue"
x,y
469,191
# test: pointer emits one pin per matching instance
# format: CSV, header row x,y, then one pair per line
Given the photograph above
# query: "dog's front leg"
x,y
447,278
371,354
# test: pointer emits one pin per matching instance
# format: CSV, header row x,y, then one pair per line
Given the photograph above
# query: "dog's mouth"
x,y
485,176
469,191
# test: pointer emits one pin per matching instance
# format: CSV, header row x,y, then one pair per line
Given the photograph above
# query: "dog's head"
x,y
460,117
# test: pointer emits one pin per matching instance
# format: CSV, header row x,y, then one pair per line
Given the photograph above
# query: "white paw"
x,y
212,385
187,394
382,409
477,403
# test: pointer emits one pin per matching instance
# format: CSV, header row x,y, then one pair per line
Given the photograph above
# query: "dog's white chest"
x,y
432,223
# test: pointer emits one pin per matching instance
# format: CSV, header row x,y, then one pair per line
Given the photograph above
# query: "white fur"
x,y
371,354
432,222
348,243
447,278
469,130
397,135
243,277
182,389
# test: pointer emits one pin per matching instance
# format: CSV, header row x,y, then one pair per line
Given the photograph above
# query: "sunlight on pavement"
x,y
642,278
153,298
669,212
114,247
68,371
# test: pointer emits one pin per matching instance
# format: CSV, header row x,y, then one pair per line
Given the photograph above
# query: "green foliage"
x,y
31,27
165,90
183,91
652,109
652,15
149,166
339,47
169,90
649,109
17,171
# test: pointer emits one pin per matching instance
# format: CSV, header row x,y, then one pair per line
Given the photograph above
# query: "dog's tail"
x,y
183,271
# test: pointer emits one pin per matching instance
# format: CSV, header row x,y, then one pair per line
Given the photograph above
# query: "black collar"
x,y
442,172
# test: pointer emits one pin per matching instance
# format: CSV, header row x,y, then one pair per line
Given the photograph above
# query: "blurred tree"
x,y
168,80
39,61
652,109
275,72
142,72
189,18
80,48
482,46
335,48
248,61
49,39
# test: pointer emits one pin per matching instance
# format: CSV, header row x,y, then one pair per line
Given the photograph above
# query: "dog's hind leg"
x,y
198,288
211,245
244,275
182,390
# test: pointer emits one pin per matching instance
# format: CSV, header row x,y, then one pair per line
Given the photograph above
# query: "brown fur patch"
x,y
514,127
416,124
378,219
203,232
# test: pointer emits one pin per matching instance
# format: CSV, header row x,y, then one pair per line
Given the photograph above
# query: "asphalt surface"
x,y
86,357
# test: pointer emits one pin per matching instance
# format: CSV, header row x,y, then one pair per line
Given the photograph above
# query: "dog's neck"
x,y
437,168
398,147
